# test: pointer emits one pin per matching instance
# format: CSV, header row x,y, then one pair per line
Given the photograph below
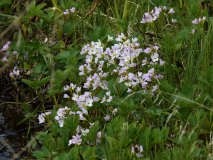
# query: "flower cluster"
x,y
14,73
153,15
62,114
6,46
122,57
77,139
71,10
137,150
199,20
126,61
42,116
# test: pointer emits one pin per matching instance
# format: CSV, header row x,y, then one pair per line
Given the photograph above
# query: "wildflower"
x,y
137,150
192,32
5,59
66,96
89,102
147,50
154,57
72,10
71,87
14,73
162,62
78,129
84,131
6,46
171,11
195,21
174,21
115,111
109,38
98,139
107,118
41,118
129,90
81,117
199,20
75,140
15,52
154,88
66,12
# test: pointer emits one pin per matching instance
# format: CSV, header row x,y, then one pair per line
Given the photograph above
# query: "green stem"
x,y
116,10
126,10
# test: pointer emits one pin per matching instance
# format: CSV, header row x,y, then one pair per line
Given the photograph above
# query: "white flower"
x,y
137,150
147,50
66,12
109,38
72,10
171,11
98,139
66,96
6,46
115,111
192,32
84,131
154,57
89,102
174,20
5,59
15,52
75,140
66,88
195,21
41,118
107,118
162,62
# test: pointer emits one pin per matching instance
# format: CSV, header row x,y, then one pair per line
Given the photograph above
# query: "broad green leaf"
x,y
188,89
39,68
89,153
100,33
71,123
70,27
3,2
73,153
93,132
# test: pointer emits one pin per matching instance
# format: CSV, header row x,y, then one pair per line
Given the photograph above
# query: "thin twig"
x,y
95,5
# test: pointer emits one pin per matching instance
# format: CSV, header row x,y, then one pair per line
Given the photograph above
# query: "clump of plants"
x,y
138,89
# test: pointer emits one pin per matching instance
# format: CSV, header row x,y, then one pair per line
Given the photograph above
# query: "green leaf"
x,y
144,139
60,76
100,33
153,111
116,88
73,153
188,89
168,87
114,127
70,27
39,68
42,154
3,2
93,132
89,153
60,144
209,75
71,123
62,55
